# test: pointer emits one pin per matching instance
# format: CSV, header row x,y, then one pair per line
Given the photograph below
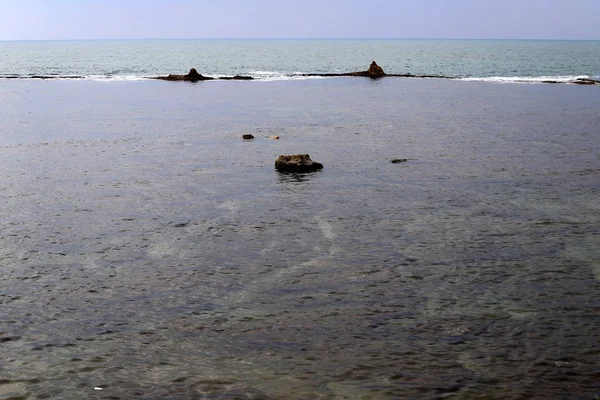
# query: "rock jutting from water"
x,y
297,163
247,136
375,72
194,76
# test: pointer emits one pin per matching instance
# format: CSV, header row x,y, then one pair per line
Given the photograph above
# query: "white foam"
x,y
526,79
280,76
114,78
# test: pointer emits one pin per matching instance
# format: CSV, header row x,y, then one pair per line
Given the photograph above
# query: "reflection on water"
x,y
185,266
287,177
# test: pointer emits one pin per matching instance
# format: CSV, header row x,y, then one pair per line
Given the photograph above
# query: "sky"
x,y
452,19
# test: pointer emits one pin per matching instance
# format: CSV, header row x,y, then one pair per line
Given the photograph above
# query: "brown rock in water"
x,y
247,136
192,76
296,163
374,72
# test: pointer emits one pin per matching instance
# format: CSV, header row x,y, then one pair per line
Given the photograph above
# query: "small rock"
x,y
237,78
9,338
398,160
247,136
296,163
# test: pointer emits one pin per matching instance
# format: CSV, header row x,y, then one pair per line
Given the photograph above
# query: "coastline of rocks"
x,y
374,72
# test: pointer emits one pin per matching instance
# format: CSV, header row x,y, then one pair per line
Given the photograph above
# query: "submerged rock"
x,y
398,160
237,78
296,163
585,81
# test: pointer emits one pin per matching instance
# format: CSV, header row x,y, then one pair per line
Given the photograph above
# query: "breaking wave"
x,y
528,79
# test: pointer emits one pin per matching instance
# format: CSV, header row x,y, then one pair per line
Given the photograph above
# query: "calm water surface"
x,y
147,252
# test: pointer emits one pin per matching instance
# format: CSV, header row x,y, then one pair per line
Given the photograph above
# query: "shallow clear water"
x,y
495,60
148,252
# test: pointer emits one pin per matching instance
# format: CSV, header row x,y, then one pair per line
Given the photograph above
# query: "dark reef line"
x,y
42,77
374,72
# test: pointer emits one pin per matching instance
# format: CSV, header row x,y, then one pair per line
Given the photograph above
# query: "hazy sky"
x,y
113,19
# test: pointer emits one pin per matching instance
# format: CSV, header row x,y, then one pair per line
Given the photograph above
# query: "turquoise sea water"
x,y
148,252
499,60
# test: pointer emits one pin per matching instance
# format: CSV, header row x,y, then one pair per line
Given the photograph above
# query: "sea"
x,y
147,251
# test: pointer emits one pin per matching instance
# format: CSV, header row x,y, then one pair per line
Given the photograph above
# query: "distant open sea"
x,y
148,252
490,60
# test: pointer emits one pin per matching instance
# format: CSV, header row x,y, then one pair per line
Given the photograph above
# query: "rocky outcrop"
x,y
194,76
376,72
296,163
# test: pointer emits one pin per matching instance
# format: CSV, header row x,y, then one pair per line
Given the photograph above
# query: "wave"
x,y
115,77
280,76
75,77
528,79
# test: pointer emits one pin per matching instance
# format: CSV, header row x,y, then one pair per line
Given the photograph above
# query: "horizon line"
x,y
292,38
